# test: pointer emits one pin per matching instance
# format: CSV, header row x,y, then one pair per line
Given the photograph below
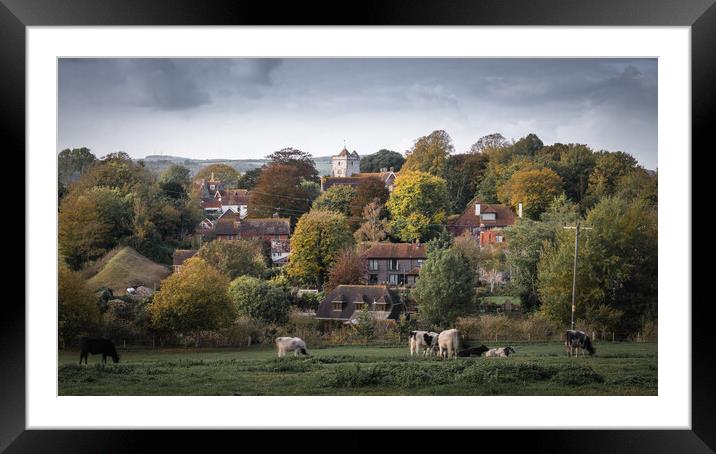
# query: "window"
x,y
487,216
381,307
359,306
372,278
498,238
373,265
393,264
337,305
393,279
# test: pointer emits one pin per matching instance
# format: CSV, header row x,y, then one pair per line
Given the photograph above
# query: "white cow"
x,y
502,351
290,344
449,343
423,341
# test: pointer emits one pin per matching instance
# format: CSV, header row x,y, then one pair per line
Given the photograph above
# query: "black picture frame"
x,y
700,15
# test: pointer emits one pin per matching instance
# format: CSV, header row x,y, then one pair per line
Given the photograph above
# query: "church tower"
x,y
345,164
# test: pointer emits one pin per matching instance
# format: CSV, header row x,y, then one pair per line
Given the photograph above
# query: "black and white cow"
x,y
500,352
290,344
578,340
424,342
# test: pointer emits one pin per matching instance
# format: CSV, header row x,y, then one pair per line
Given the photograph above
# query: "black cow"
x,y
472,351
578,340
96,346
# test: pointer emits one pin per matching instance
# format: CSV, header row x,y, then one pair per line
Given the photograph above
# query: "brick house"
x,y
483,220
394,264
345,302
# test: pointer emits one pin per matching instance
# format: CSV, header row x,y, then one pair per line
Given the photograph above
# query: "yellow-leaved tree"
x,y
533,188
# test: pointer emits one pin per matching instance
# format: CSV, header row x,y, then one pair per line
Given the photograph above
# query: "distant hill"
x,y
124,267
159,163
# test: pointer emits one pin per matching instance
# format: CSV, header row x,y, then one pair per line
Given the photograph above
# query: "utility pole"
x,y
574,269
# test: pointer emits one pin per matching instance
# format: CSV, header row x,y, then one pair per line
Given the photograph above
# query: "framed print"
x,y
392,219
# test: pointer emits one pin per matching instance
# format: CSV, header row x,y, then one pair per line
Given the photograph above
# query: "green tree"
x,y
115,171
617,264
235,258
383,159
319,238
336,198
492,141
534,188
445,288
260,300
302,162
492,263
192,299
73,163
463,172
177,175
365,328
430,154
248,179
417,206
610,167
78,314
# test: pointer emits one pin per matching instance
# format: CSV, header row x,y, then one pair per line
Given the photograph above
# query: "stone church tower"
x,y
345,164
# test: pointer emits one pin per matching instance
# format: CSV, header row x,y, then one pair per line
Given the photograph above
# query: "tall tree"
x,y
368,190
430,153
534,188
248,179
383,159
260,300
279,189
610,167
489,142
445,289
319,238
418,206
463,171
303,163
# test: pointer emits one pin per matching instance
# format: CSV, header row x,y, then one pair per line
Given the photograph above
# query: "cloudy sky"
x,y
248,108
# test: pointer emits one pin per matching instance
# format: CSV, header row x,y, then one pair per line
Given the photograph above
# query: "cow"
x,y
472,351
423,341
449,343
578,340
290,344
94,346
500,352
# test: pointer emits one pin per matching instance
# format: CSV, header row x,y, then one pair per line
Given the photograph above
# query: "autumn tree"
x,y
368,190
534,188
260,300
348,269
468,246
489,142
337,198
78,314
430,154
417,206
192,299
610,167
445,289
279,190
92,222
465,171
375,227
115,171
316,243
228,176
492,263
235,258
383,159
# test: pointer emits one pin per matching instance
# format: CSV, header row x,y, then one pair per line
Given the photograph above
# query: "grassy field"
x,y
536,369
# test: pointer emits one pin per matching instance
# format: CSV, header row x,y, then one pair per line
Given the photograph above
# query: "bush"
x,y
537,326
260,300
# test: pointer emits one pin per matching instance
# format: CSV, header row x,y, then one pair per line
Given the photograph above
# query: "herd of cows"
x,y
445,344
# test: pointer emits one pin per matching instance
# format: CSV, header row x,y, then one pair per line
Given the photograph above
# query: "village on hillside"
x,y
387,243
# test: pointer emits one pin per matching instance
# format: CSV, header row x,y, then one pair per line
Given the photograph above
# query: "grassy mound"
x,y
124,267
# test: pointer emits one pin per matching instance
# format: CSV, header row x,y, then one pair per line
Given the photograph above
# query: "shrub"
x,y
581,375
260,300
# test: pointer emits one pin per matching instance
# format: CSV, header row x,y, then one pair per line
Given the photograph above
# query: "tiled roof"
x,y
235,197
344,153
181,255
265,226
396,251
226,226
283,246
350,294
210,202
504,217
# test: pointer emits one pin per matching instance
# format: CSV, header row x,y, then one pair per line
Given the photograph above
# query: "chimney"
x,y
519,209
392,169
383,169
477,209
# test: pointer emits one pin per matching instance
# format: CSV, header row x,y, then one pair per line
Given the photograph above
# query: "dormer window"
x,y
337,305
212,186
488,216
360,305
